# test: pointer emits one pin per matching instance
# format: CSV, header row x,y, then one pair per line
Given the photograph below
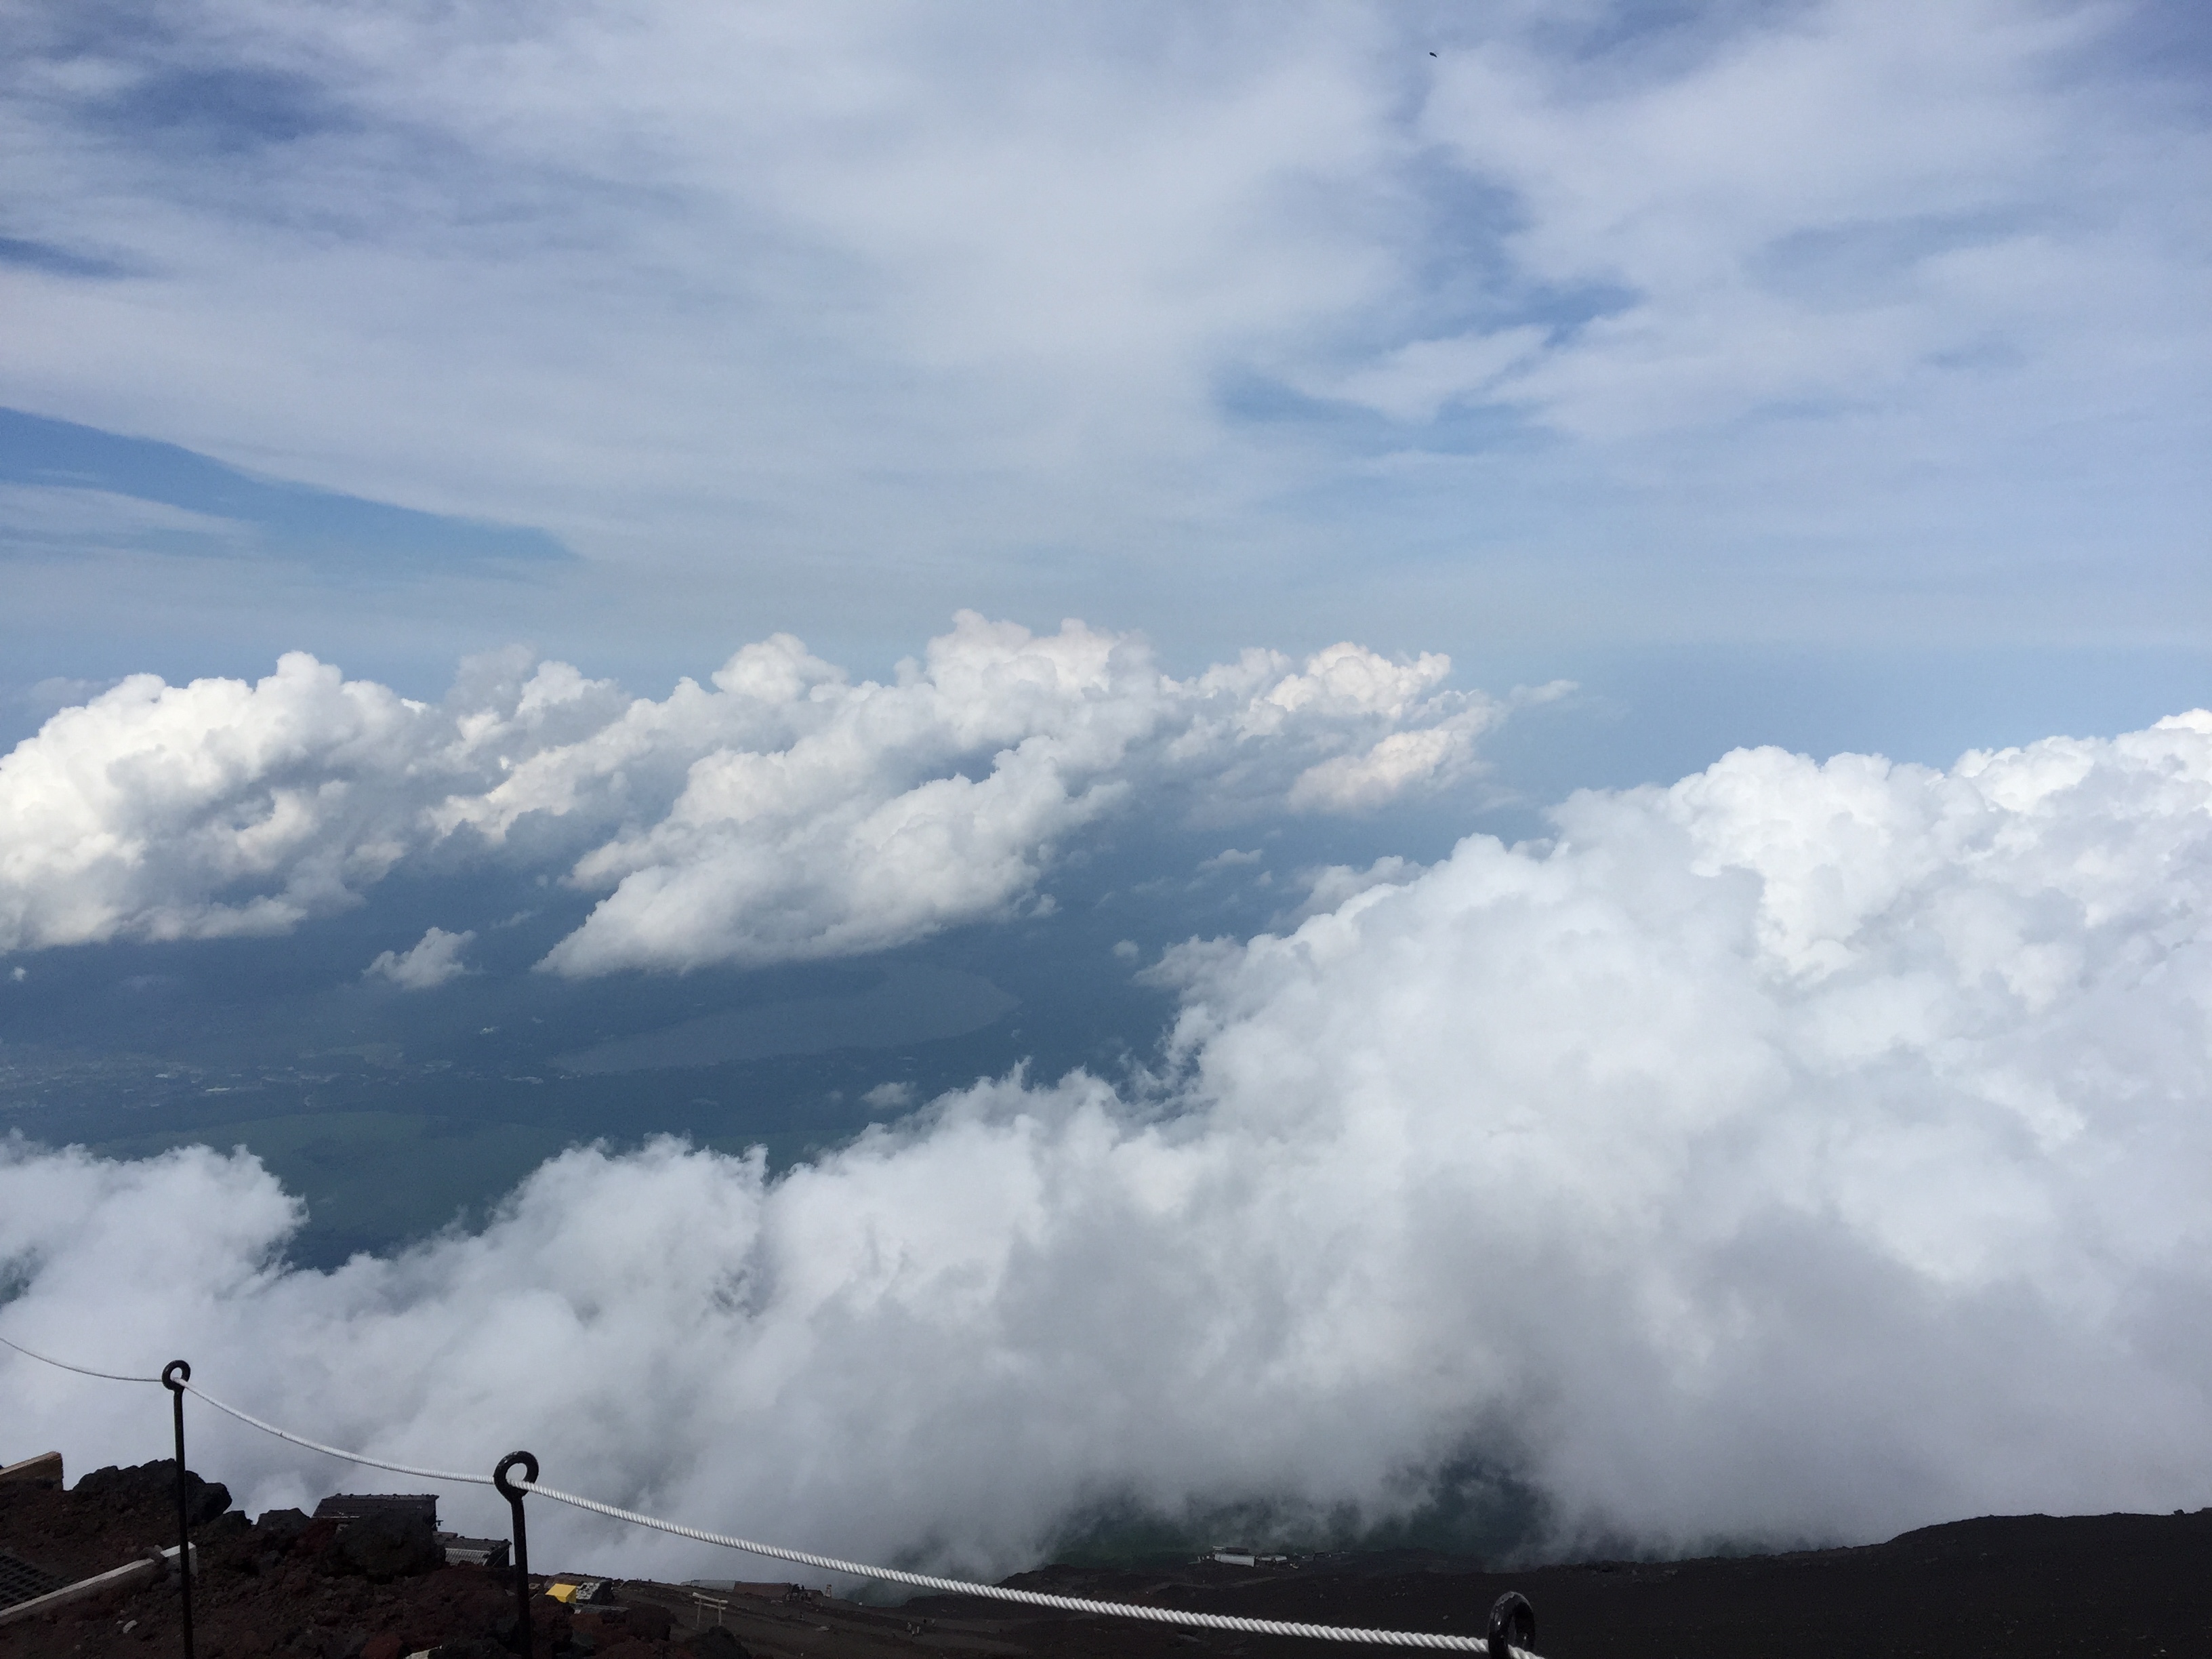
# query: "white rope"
x,y
334,1451
1398,1638
81,1371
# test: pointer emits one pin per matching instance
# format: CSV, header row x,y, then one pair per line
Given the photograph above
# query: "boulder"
x,y
646,1622
386,1546
280,1528
150,1483
715,1643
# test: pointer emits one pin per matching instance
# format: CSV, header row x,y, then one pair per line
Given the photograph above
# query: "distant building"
x,y
1244,1555
345,1506
474,1552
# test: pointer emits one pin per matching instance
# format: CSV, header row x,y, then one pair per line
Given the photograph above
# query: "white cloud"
x,y
1333,886
1414,382
1229,857
964,196
784,813
1436,753
196,810
1845,203
1347,782
1804,1150
55,518
61,692
436,958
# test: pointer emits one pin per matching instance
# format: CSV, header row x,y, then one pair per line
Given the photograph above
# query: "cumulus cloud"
x,y
1349,781
1329,887
436,958
782,811
190,811
1803,1149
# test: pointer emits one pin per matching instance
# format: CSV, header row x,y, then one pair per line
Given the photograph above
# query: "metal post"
x,y
514,1496
174,1376
1512,1625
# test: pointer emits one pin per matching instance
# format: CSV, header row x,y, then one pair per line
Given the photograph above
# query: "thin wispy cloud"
x,y
703,293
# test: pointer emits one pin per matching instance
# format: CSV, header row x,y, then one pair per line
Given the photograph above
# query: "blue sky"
x,y
1813,345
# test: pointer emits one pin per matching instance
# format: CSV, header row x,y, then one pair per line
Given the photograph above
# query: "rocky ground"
x,y
2018,1587
284,1585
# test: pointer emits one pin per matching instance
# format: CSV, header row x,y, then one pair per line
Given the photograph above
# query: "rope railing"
x,y
1512,1622
408,1469
81,1371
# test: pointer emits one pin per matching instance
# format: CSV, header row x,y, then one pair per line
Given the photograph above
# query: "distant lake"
x,y
913,1003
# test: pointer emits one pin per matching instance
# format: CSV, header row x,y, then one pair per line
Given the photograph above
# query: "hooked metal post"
x,y
1512,1625
514,1496
174,1376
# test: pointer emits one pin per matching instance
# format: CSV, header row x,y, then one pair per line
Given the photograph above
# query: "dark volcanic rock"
x,y
149,1483
386,1544
280,1528
109,1518
715,1642
470,1647
646,1622
284,1589
319,1541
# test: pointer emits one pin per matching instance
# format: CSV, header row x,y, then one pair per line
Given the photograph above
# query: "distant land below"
x,y
914,1002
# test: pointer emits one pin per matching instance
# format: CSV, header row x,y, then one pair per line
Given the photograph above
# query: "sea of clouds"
x,y
1804,1151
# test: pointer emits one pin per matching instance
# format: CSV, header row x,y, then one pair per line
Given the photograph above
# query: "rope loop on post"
x,y
1512,1625
512,1493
